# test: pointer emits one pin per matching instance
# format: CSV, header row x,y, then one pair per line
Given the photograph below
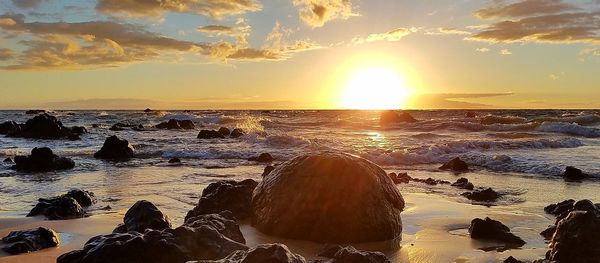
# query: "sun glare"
x,y
375,88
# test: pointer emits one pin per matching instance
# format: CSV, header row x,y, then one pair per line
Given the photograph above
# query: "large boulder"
x,y
45,126
328,197
18,242
232,196
115,149
268,253
176,125
42,160
224,222
392,117
9,127
577,238
141,216
493,230
68,206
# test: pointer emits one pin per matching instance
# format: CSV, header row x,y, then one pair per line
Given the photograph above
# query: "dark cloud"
x,y
217,29
525,8
6,54
212,8
316,13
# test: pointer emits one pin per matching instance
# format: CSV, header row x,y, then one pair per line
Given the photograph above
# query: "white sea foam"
x,y
569,128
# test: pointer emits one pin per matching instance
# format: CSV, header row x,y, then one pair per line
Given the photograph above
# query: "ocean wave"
x,y
581,119
494,119
569,128
179,117
442,152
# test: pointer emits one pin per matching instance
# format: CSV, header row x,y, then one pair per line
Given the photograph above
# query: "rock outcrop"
x,y
45,126
232,196
42,160
573,174
485,195
390,117
210,134
18,242
141,216
282,207
493,230
68,206
115,149
455,165
177,125
262,158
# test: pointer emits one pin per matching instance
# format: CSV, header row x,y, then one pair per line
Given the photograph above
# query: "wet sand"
x,y
434,230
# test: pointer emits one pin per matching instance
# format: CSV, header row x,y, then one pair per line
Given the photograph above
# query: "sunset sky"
x,y
254,54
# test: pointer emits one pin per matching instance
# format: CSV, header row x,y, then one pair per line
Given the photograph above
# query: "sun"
x,y
375,88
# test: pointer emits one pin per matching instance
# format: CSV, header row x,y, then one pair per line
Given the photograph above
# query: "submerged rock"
x,y
493,230
141,216
573,174
42,160
463,183
208,237
33,112
115,149
174,160
268,253
392,117
430,181
18,242
68,206
237,133
282,207
232,196
487,195
45,126
210,134
224,131
455,165
262,158
177,125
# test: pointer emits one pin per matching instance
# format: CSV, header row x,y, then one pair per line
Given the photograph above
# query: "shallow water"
x,y
519,153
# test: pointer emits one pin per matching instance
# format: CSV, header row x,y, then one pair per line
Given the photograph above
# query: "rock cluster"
x,y
68,206
176,125
232,196
43,126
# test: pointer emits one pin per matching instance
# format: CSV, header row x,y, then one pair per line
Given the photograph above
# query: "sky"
x,y
299,54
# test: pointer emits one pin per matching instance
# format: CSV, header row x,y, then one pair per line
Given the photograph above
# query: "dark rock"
x,y
493,230
78,130
455,165
262,158
352,255
370,198
463,183
9,127
268,169
400,178
577,238
44,126
573,174
84,198
223,222
115,149
430,181
268,253
232,196
177,125
185,243
139,128
32,112
237,133
224,131
42,160
58,208
95,125
559,208
8,160
487,195
118,127
328,251
392,117
548,232
141,216
210,134
147,110
18,242
511,259
175,160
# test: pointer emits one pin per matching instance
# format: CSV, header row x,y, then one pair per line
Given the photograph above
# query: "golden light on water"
x,y
375,88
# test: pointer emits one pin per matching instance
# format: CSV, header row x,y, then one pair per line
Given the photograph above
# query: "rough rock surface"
x,y
493,230
352,255
232,196
224,131
392,117
237,133
486,195
210,134
45,126
42,160
577,238
262,158
340,186
115,149
141,216
455,165
463,183
17,242
68,206
268,253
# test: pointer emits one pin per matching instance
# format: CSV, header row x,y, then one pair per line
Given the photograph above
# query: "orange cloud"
x,y
525,8
316,13
212,8
391,36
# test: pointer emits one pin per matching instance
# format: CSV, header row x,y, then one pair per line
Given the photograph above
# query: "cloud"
x,y
448,31
7,21
524,8
590,52
212,8
25,4
534,21
6,54
482,49
62,45
553,76
505,52
315,13
451,101
239,32
391,36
